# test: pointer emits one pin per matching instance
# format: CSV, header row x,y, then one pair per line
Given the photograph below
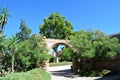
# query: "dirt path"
x,y
64,73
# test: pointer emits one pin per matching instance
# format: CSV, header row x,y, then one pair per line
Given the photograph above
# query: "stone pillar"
x,y
44,65
74,66
47,65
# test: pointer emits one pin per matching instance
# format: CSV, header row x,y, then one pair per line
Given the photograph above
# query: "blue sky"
x,y
83,14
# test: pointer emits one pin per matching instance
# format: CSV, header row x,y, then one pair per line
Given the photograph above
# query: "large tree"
x,y
24,31
55,26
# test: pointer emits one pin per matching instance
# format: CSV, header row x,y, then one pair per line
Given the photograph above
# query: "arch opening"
x,y
60,44
56,51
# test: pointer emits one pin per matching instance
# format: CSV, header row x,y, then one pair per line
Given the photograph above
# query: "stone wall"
x,y
98,64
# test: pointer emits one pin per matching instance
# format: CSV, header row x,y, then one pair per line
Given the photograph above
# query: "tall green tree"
x,y
56,26
24,31
13,49
3,18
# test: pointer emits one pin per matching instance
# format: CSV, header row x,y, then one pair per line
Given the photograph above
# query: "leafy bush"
x,y
30,53
94,44
27,55
66,55
35,74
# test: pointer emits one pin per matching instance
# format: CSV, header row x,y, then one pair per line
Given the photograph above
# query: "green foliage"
x,y
107,49
3,18
66,55
25,31
55,26
7,60
94,73
23,56
4,59
5,65
94,44
35,74
82,45
3,44
31,53
12,47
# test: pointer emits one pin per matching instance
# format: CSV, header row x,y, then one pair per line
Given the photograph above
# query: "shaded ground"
x,y
64,73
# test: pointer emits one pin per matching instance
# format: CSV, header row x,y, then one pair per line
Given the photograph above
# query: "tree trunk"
x,y
74,65
55,49
57,59
12,62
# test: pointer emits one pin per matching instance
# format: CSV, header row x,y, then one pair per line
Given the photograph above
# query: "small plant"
x,y
94,73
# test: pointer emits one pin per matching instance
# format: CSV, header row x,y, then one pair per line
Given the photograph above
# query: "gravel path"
x,y
64,73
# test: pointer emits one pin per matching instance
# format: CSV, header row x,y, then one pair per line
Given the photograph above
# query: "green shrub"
x,y
35,74
66,55
94,73
28,54
94,44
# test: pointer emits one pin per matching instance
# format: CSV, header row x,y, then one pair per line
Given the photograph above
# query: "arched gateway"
x,y
52,43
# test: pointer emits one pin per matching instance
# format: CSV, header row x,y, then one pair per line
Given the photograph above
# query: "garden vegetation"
x,y
23,52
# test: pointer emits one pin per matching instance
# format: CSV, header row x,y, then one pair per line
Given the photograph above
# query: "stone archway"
x,y
52,43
